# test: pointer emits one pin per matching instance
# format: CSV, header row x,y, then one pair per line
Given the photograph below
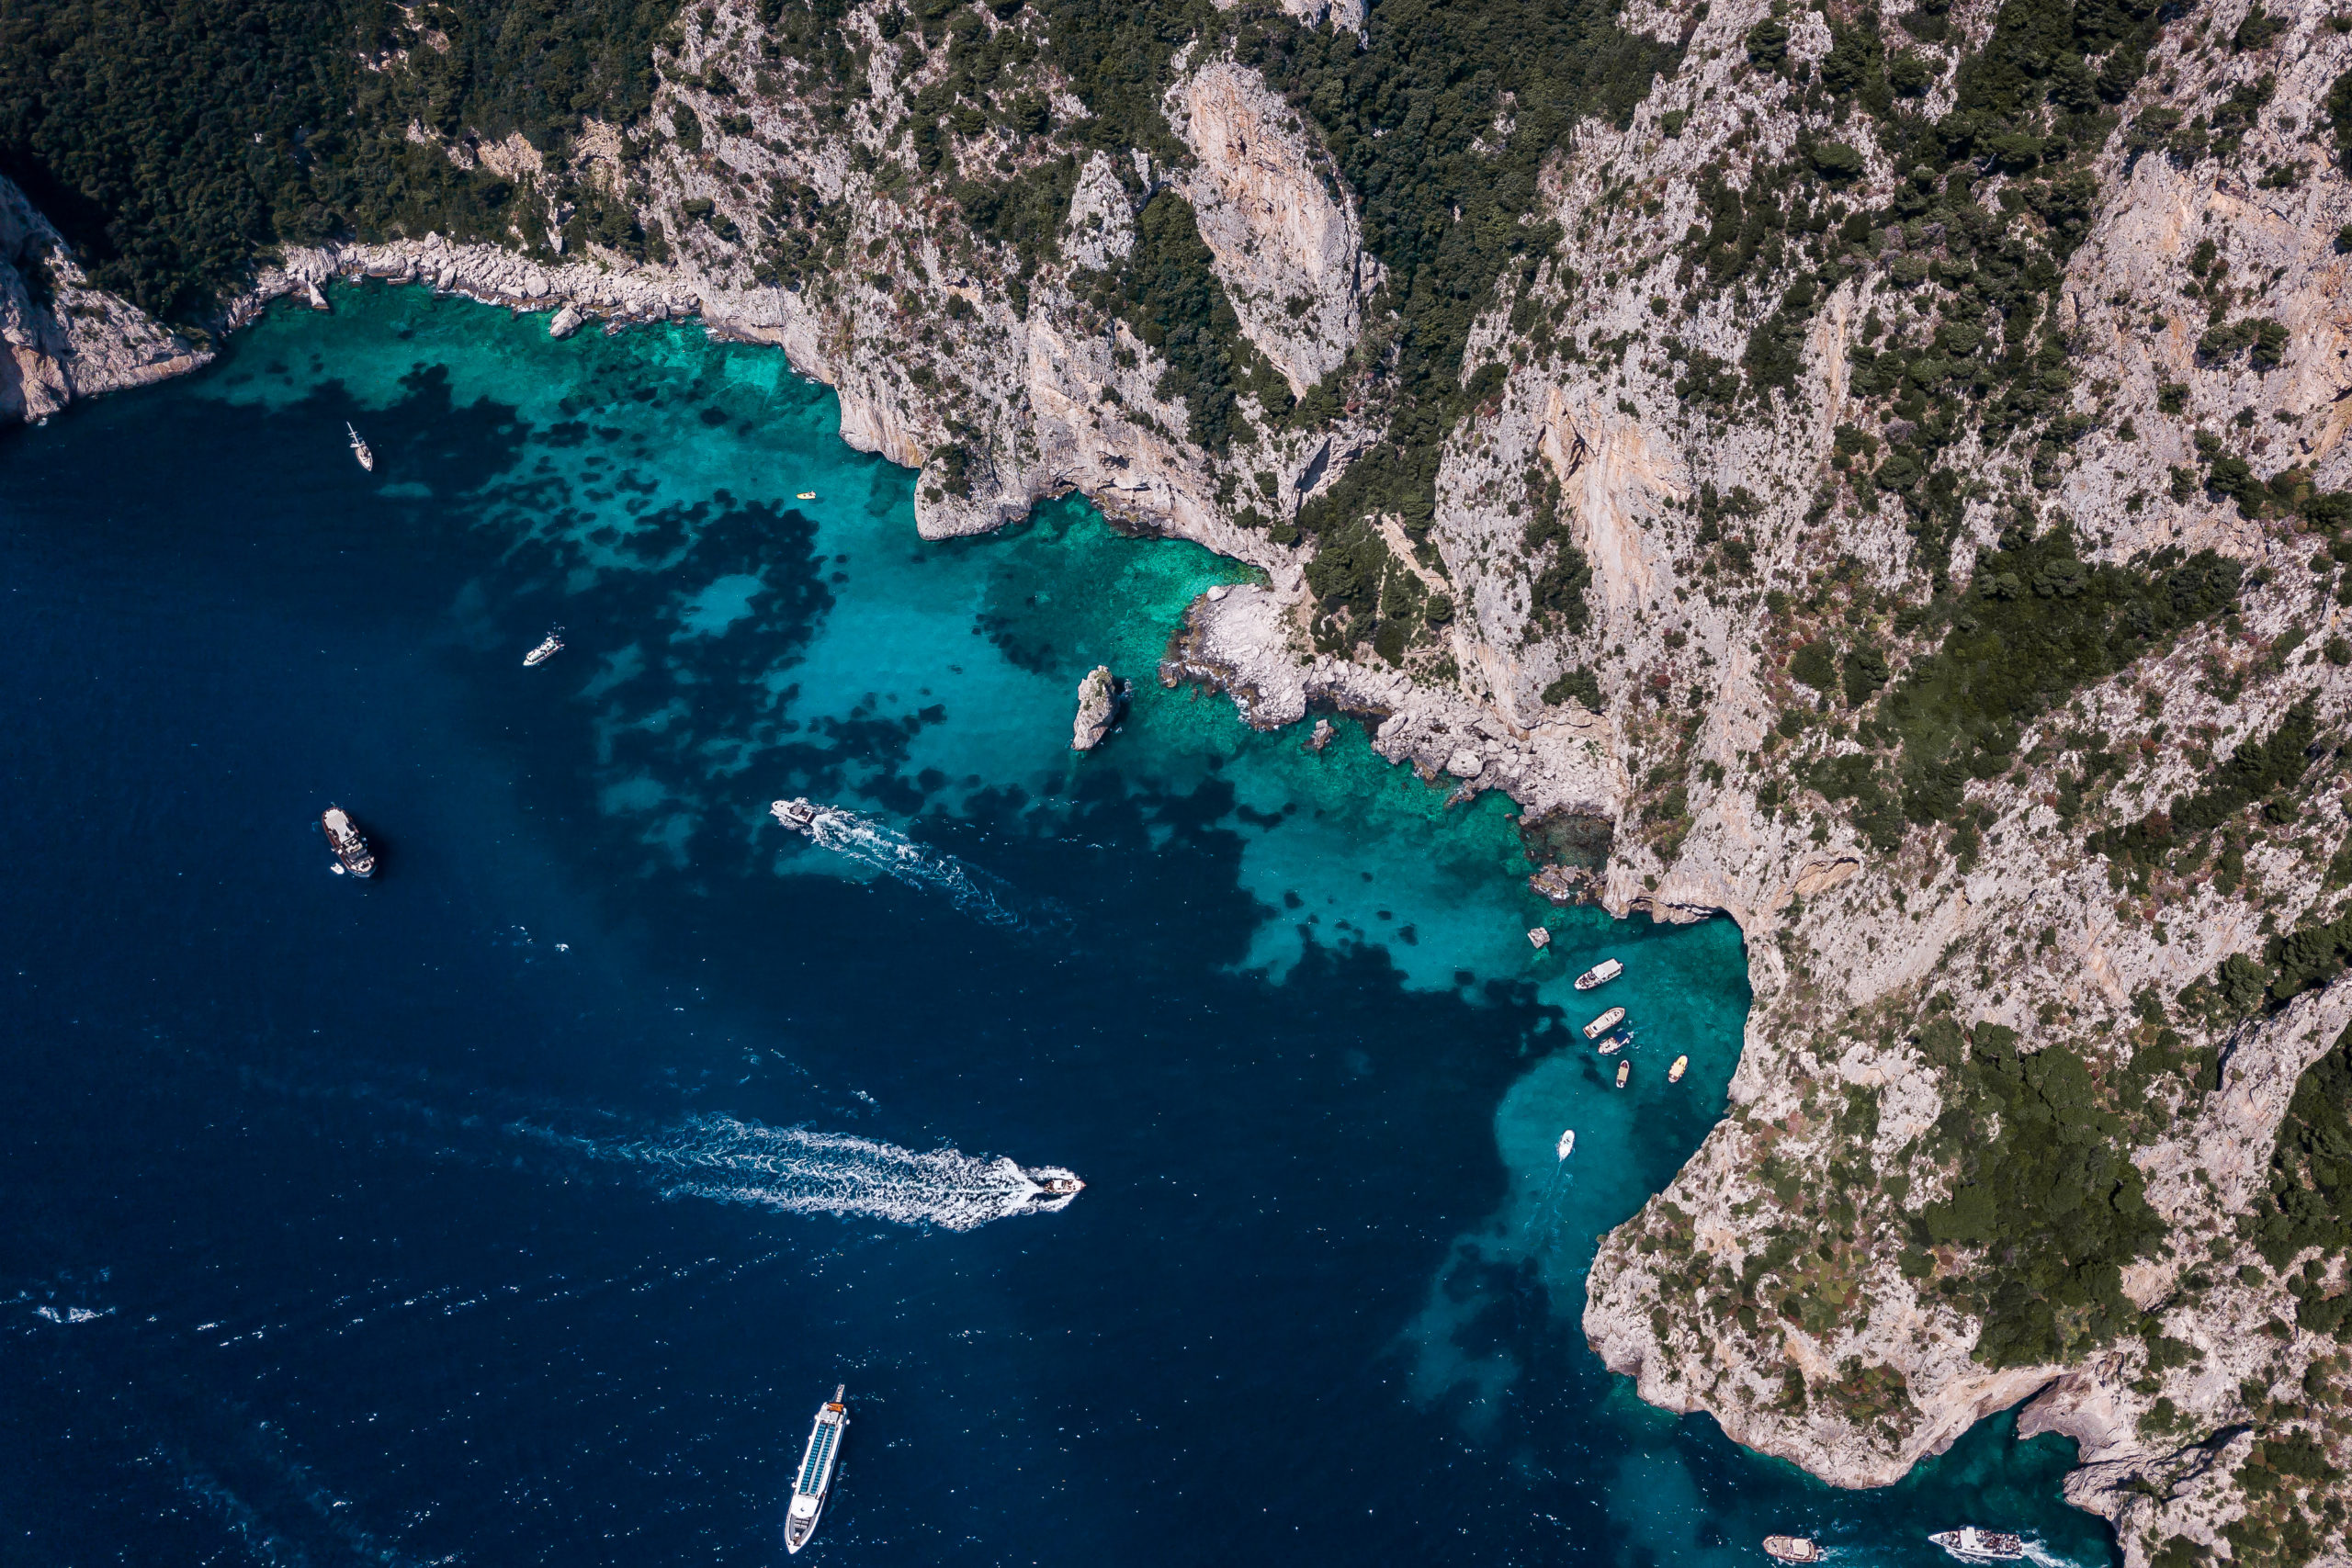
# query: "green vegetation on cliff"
x,y
169,142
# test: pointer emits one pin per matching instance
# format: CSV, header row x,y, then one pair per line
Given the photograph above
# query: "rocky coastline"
x,y
1756,569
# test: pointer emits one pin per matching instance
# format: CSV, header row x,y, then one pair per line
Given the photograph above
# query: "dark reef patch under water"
x,y
520,1206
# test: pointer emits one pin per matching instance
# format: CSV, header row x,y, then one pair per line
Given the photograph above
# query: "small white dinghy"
x,y
359,448
1567,1142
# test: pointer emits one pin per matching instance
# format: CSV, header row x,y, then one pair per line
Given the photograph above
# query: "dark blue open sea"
x,y
521,1205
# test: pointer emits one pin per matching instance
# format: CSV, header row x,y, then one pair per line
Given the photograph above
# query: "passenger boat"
x,y
1624,1071
1601,974
1972,1545
1674,1074
1613,1044
351,851
544,652
1604,1024
359,448
815,1472
1054,1182
1793,1549
1567,1142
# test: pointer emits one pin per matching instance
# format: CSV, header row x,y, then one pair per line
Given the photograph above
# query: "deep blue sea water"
x,y
520,1206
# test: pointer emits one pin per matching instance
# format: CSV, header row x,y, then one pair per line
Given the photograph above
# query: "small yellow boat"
x,y
805,496
1624,1071
1674,1074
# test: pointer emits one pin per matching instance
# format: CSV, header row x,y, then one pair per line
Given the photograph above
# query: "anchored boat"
x,y
1972,1545
544,652
351,851
815,1472
1674,1074
1624,1071
359,448
1793,1549
1604,1024
1613,1044
1601,974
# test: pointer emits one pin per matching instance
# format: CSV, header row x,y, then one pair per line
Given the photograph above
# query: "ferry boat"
x,y
359,448
351,851
1604,1024
1674,1074
815,1472
1972,1545
1567,1142
1793,1549
544,652
1601,974
1613,1044
1624,1071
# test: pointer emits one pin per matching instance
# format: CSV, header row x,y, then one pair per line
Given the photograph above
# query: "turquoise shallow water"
x,y
521,1204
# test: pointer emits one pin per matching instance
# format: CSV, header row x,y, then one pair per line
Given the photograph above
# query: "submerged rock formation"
x,y
1879,477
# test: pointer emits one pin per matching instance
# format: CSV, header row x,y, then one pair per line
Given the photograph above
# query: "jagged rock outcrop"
x,y
1102,698
63,338
1288,251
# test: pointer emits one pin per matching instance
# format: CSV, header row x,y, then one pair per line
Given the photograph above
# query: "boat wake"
x,y
797,1171
876,844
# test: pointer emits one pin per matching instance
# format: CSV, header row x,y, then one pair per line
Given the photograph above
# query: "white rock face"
x,y
63,338
1288,251
1101,227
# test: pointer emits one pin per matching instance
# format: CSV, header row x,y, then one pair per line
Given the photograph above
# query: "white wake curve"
x,y
799,1171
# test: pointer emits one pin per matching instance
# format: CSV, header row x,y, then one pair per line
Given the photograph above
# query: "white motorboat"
x,y
1567,1142
1604,1024
544,652
1601,974
1972,1545
1793,1549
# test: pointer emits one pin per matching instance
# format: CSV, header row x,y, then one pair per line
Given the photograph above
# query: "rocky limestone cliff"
x,y
65,338
1892,492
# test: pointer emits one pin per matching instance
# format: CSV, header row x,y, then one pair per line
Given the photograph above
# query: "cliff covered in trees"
x,y
1878,474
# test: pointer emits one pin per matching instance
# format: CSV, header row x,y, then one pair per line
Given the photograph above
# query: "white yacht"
x,y
815,1472
1601,974
1604,1024
359,448
1972,1545
544,652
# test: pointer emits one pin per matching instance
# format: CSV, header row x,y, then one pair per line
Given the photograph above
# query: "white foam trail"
x,y
799,1171
876,843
